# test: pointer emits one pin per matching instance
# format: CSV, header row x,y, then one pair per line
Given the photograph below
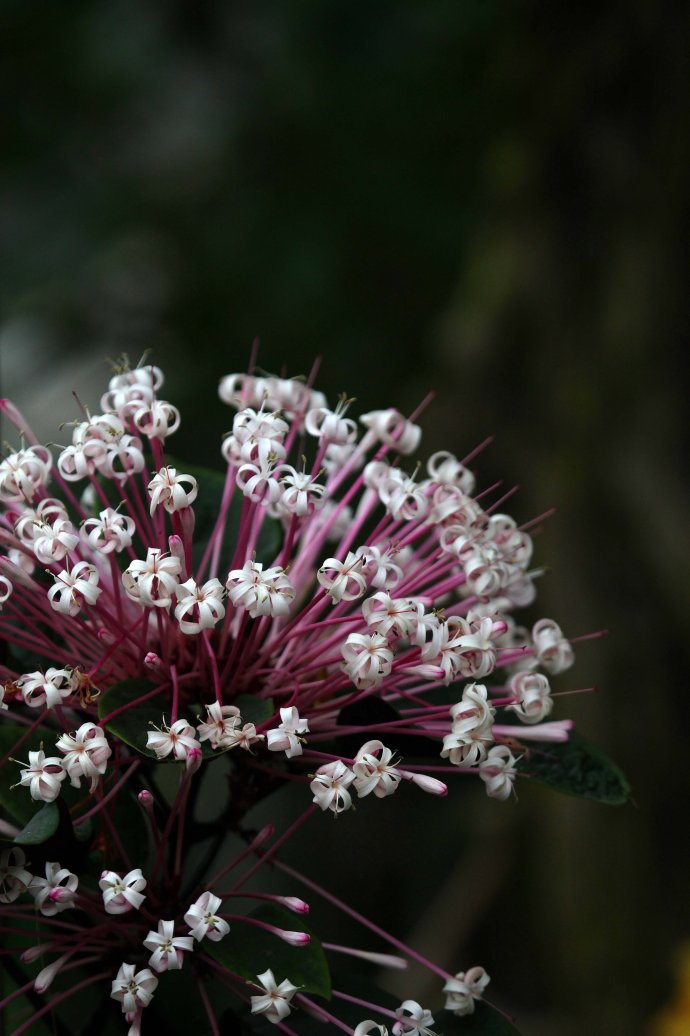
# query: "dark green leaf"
x,y
577,768
254,710
41,827
248,951
134,722
17,801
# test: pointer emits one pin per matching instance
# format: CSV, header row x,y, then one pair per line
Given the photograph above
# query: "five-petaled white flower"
x,y
373,770
134,989
167,488
42,776
56,892
179,739
122,894
72,590
286,736
261,592
203,919
47,689
153,582
413,1020
463,990
86,753
274,1003
199,607
330,785
167,947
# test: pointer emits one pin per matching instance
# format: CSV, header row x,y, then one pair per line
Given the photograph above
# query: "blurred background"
x,y
479,198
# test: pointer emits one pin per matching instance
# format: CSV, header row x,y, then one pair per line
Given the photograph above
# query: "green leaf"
x,y
254,710
41,827
134,722
485,1021
577,768
17,801
248,951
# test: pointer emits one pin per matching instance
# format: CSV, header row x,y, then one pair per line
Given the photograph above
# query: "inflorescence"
x,y
327,576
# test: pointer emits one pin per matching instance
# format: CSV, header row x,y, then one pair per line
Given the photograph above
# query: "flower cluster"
x,y
141,633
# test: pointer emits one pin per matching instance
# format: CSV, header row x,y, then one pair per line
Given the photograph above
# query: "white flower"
x,y
56,892
498,772
390,427
286,736
373,770
257,480
552,649
46,690
403,498
414,1020
203,920
343,580
168,488
472,717
13,878
462,991
72,590
533,697
53,542
152,582
86,754
23,473
121,895
167,947
303,495
386,614
366,1027
199,607
379,567
111,531
330,785
222,721
157,419
331,426
275,1002
445,468
178,739
261,592
368,659
42,776
134,989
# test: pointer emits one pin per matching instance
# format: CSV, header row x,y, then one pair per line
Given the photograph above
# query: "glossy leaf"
x,y
133,723
248,951
577,768
254,710
17,801
41,827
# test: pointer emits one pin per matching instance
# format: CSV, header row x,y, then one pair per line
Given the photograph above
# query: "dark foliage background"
x,y
483,198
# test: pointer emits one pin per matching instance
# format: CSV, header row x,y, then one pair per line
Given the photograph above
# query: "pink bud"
x,y
45,977
293,938
34,952
152,661
194,760
429,784
298,906
145,801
